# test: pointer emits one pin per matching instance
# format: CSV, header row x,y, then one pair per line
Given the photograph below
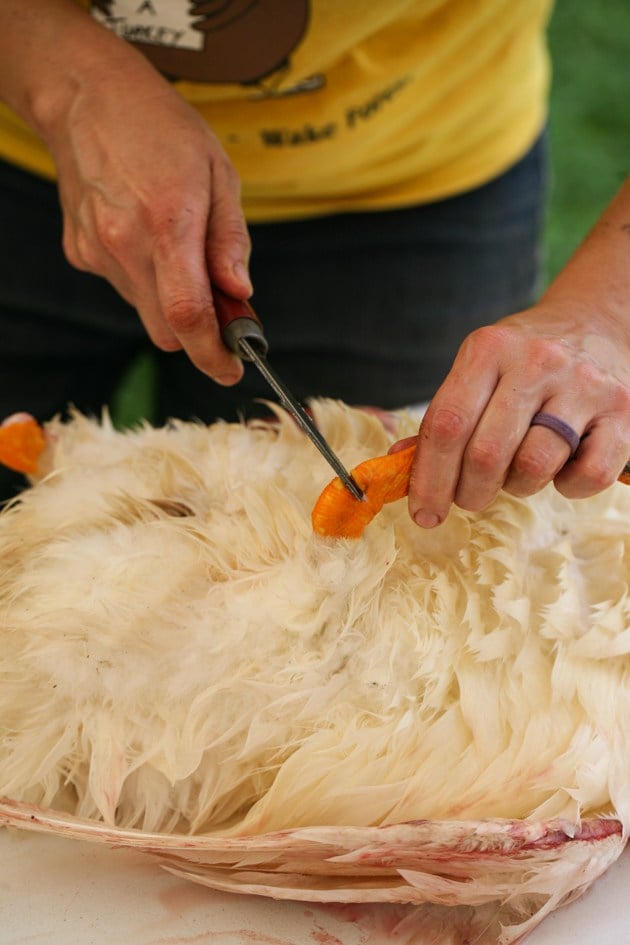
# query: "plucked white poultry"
x,y
436,717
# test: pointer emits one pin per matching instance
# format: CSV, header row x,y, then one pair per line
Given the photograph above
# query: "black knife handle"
x,y
237,319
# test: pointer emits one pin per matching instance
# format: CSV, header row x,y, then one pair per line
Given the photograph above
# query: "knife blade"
x,y
242,332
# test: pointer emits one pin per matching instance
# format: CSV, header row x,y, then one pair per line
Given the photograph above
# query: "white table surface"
x,y
56,891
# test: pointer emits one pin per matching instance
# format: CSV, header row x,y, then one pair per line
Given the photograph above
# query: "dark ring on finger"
x,y
558,426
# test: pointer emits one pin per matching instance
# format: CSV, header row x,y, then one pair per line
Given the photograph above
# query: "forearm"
x,y
594,286
53,51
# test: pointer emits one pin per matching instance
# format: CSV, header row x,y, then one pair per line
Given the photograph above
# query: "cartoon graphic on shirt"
x,y
242,41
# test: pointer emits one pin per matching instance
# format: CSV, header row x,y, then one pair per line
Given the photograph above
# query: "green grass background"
x,y
590,143
590,118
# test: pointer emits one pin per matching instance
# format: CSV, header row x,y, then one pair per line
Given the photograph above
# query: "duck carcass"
x,y
435,718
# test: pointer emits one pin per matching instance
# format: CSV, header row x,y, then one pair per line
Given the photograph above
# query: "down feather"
x,y
181,655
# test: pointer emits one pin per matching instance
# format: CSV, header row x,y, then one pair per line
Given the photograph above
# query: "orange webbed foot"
x,y
337,514
22,442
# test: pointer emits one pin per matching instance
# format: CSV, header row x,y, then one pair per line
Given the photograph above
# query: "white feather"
x,y
179,653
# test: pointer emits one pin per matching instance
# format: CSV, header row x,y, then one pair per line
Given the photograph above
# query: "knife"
x,y
242,332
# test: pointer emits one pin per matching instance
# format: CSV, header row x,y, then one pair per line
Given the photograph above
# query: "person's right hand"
x,y
150,199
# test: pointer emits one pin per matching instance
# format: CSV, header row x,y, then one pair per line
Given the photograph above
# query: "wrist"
x,y
53,55
95,63
594,286
590,304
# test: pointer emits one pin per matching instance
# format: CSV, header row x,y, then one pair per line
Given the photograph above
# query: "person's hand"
x,y
150,200
475,438
567,357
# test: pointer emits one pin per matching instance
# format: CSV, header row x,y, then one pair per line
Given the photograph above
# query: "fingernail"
x,y
227,380
241,273
230,377
426,519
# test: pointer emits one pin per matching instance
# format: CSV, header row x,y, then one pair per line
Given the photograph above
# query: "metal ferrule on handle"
x,y
237,321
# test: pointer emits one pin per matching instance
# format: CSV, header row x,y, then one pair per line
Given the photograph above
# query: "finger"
x,y
148,306
601,456
136,285
185,299
491,449
445,431
545,449
134,280
228,244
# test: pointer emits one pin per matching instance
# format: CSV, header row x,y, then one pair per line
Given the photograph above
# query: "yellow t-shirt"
x,y
343,105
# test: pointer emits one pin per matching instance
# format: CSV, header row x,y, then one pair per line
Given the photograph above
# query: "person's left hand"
x,y
568,357
476,439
